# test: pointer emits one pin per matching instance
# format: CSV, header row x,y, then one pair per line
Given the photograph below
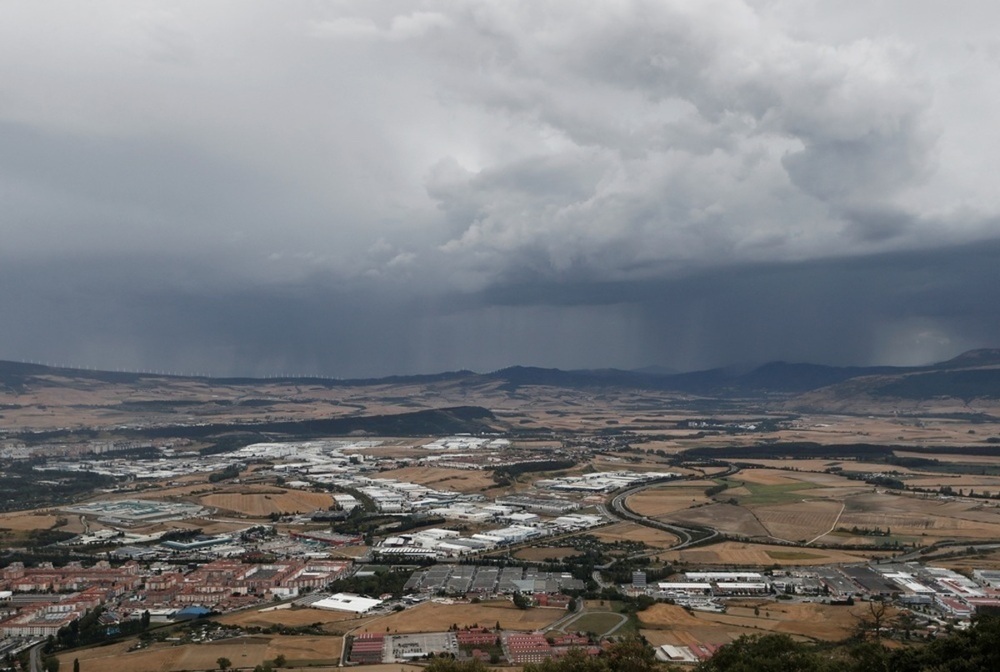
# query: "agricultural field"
x,y
666,499
248,651
758,486
963,482
261,502
545,552
821,465
634,532
814,507
438,617
800,522
670,624
243,652
295,617
919,519
740,554
23,521
300,650
458,480
723,517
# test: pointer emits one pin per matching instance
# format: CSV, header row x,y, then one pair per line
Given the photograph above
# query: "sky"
x,y
355,189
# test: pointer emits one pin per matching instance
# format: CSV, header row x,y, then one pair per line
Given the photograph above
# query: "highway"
x,y
686,536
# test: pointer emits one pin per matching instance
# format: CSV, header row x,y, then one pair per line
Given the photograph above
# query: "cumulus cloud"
x,y
491,163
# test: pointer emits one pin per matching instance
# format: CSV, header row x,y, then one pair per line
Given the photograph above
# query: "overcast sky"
x,y
368,188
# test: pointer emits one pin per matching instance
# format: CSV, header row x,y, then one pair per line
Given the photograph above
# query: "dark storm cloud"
x,y
902,308
366,188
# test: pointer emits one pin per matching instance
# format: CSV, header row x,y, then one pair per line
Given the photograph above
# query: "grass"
x,y
781,493
792,555
598,622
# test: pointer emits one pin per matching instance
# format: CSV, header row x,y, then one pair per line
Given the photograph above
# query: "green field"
x,y
782,493
598,622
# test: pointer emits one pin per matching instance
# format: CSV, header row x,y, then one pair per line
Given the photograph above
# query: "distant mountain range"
x,y
974,374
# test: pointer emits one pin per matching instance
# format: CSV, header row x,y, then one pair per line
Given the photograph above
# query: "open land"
x,y
633,532
670,624
439,617
243,652
261,502
742,554
544,553
459,480
288,617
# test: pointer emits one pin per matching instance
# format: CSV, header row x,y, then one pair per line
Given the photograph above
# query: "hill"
x,y
61,399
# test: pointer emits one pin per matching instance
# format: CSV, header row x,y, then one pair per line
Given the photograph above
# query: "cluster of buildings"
x,y
478,581
135,512
443,543
37,601
466,442
604,481
518,648
19,450
219,582
695,653
943,590
43,615
936,589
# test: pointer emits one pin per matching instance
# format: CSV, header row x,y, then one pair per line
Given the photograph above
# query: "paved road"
x,y
561,623
600,581
685,535
35,658
622,620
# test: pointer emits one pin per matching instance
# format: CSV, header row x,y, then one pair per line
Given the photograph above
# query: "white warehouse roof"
x,y
347,602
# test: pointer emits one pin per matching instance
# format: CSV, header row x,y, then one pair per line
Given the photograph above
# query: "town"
x,y
183,538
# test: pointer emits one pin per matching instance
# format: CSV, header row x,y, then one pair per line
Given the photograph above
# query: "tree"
x,y
631,654
448,664
767,653
223,663
870,624
280,660
76,665
906,622
51,664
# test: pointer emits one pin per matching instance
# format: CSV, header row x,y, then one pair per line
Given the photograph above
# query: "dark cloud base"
x,y
157,314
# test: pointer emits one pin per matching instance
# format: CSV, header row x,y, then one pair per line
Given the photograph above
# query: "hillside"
x,y
58,399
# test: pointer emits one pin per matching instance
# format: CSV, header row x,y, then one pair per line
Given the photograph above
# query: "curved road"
x,y
686,535
35,658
